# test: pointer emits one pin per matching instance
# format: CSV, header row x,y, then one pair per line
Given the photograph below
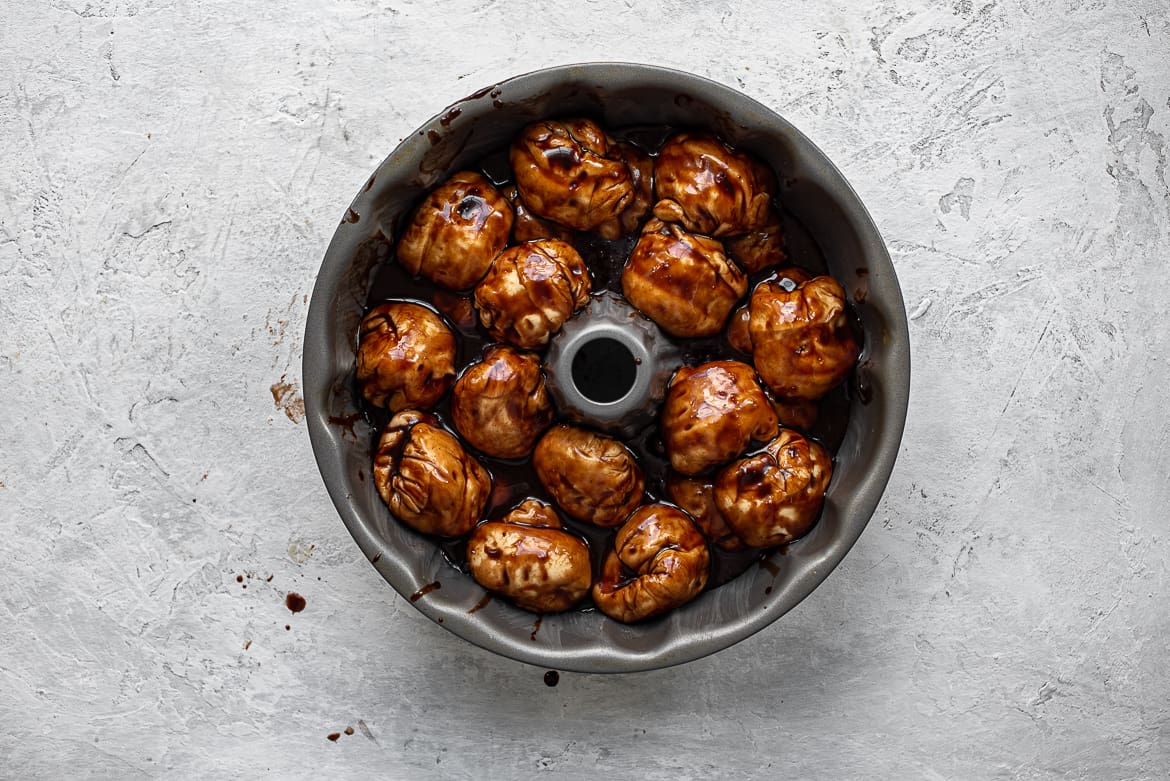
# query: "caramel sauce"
x,y
514,480
428,588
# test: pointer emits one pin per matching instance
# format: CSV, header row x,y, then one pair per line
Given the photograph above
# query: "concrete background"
x,y
172,172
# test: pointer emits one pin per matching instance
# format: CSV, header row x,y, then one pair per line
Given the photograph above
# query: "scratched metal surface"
x,y
172,174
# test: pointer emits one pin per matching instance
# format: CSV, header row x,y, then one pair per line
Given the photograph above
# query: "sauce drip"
x,y
428,588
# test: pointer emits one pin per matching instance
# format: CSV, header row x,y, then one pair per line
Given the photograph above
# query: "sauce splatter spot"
x,y
287,396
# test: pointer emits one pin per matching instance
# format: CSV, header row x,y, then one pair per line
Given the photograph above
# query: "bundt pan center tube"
x,y
608,367
636,363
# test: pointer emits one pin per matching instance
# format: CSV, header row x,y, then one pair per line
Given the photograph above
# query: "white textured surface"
x,y
172,172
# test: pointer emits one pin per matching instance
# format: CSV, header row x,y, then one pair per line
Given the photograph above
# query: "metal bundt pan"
x,y
812,189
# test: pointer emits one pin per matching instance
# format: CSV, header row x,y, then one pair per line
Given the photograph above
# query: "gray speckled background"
x,y
172,172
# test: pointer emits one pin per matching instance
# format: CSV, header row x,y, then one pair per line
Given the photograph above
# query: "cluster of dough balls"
x,y
715,225
706,223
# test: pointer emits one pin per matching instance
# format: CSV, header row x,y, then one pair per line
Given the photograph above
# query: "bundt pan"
x,y
812,190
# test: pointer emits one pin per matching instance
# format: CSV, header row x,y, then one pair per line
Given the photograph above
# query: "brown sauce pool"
x,y
515,480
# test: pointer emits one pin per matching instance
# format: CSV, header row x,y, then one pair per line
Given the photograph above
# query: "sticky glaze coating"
x,y
697,497
710,188
802,344
567,173
775,496
500,405
641,167
531,290
456,232
427,479
405,357
758,249
527,226
670,560
528,558
592,477
682,281
712,413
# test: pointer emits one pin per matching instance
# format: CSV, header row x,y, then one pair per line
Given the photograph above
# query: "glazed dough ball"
x,y
712,413
456,232
774,497
682,281
405,357
758,249
697,497
531,290
500,405
527,226
802,343
797,413
457,308
528,558
641,167
711,188
669,557
738,335
567,173
592,477
738,330
794,413
427,479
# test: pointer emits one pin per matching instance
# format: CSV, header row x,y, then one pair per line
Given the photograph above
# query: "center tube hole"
x,y
604,370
